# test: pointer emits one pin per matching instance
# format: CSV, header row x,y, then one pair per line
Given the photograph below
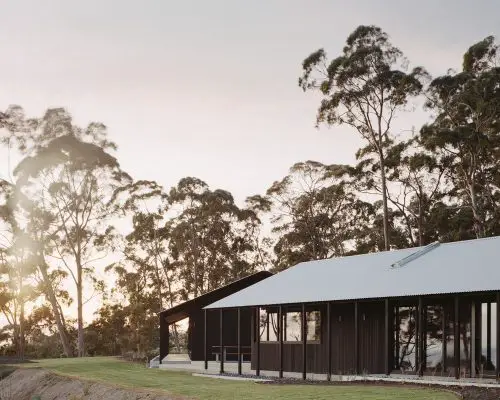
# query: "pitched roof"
x,y
466,266
183,310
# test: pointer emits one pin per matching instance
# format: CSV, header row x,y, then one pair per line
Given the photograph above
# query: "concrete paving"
x,y
233,378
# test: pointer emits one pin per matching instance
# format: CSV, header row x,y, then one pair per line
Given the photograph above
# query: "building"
x,y
193,310
424,311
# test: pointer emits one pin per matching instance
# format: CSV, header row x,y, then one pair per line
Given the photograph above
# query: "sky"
x,y
209,88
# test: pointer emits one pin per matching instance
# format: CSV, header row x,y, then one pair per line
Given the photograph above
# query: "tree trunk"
x,y
384,202
79,289
420,222
21,332
21,316
478,221
15,335
170,294
175,334
55,308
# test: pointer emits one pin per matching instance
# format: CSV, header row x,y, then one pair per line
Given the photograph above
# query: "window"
x,y
488,336
406,338
313,326
292,326
268,322
435,337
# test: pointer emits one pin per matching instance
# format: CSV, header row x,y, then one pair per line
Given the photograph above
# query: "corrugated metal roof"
x,y
467,266
184,310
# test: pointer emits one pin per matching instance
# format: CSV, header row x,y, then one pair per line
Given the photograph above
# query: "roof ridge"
x,y
471,240
419,253
354,255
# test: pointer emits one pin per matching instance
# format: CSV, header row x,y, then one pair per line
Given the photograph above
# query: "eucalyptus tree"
x,y
364,88
465,133
65,184
314,213
15,271
17,289
211,240
418,187
146,250
147,245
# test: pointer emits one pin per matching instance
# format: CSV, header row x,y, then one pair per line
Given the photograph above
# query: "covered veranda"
x,y
204,330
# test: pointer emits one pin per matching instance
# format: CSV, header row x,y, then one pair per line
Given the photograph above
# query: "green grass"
x,y
182,385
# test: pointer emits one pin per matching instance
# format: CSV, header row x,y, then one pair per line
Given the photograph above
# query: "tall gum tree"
x,y
69,178
313,212
364,88
419,187
146,248
465,133
211,238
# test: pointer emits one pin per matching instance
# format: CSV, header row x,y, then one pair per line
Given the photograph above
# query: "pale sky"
x,y
209,88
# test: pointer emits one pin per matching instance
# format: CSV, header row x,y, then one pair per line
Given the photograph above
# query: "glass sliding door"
x,y
488,348
435,337
494,344
405,339
437,334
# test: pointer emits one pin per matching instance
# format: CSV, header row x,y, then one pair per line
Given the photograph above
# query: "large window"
x,y
406,338
434,337
268,325
437,357
476,337
292,325
465,337
313,326
488,337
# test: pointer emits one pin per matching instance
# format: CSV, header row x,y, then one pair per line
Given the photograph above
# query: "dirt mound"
x,y
26,384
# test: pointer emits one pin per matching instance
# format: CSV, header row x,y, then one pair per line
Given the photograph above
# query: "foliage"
x,y
210,237
465,133
314,213
364,88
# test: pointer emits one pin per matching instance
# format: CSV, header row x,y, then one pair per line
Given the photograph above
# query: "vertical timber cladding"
x,y
372,353
342,345
372,337
371,331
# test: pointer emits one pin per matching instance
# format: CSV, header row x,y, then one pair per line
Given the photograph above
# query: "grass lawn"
x,y
117,372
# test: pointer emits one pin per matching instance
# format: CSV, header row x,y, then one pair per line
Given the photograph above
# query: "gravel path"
x,y
465,392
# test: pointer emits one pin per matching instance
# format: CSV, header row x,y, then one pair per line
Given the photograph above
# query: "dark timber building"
x,y
193,309
427,311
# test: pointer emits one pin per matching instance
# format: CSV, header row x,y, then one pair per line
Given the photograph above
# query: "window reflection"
x,y
465,338
438,357
293,332
488,337
436,333
268,326
435,339
494,344
406,338
292,326
313,326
